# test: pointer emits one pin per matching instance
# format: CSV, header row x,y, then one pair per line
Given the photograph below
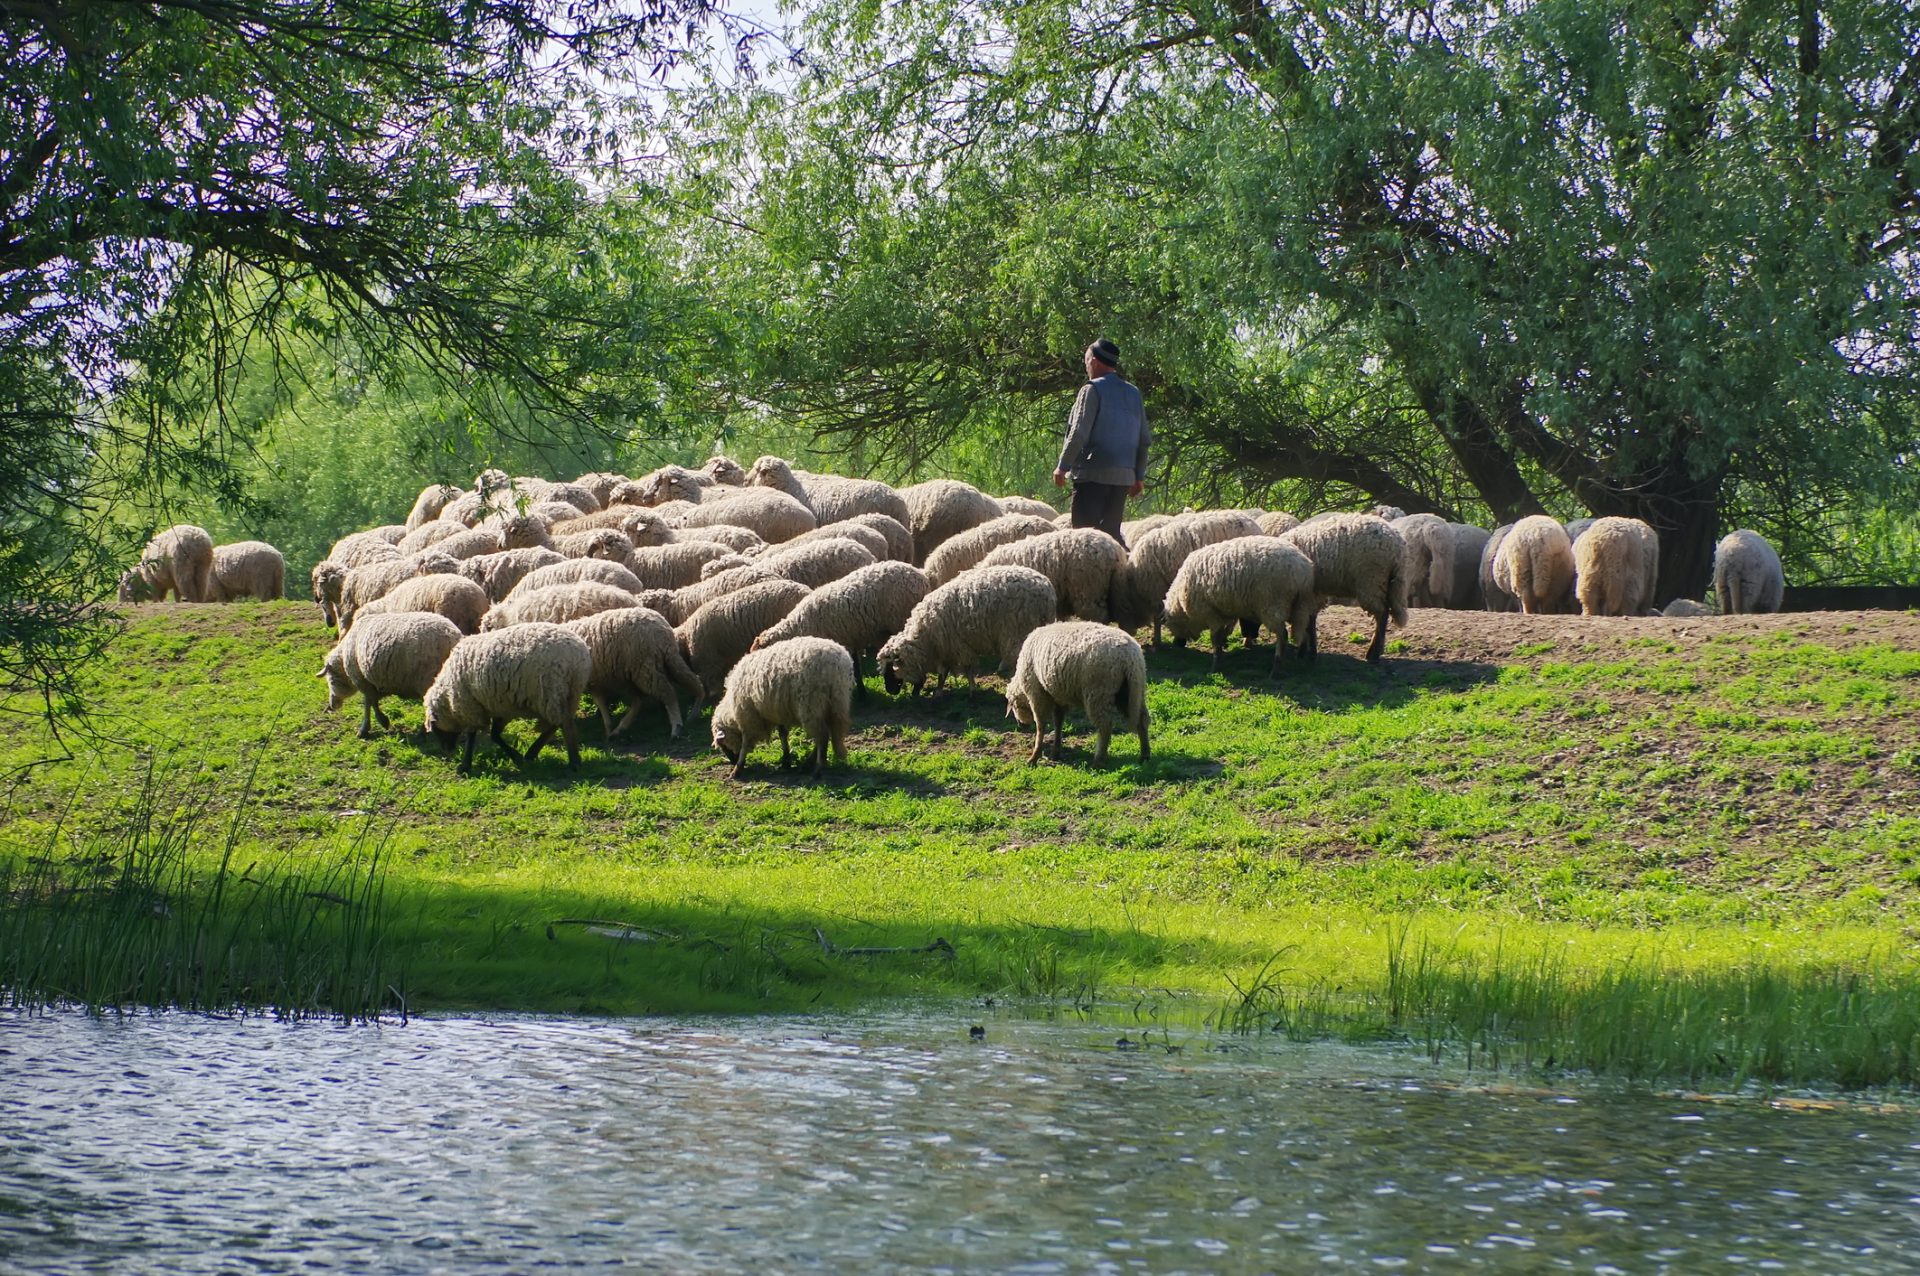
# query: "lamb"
x,y
988,611
724,471
364,584
1078,662
1535,565
958,553
1747,575
1140,588
602,542
1494,597
556,604
498,574
1359,558
1027,505
1082,563
247,569
387,655
1468,543
177,561
899,535
722,630
1429,559
1616,562
860,611
636,659
801,682
817,562
677,604
675,565
455,597
1257,579
536,671
573,571
830,497
433,498
845,530
1277,523
773,516
941,509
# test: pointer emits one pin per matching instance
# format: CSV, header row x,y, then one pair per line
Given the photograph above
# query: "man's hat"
x,y
1106,352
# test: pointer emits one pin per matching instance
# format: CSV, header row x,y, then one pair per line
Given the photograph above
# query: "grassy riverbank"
x,y
1650,846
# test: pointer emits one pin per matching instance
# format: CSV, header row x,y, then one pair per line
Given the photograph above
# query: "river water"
x,y
892,1143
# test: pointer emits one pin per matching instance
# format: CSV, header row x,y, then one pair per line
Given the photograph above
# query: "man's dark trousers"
x,y
1101,505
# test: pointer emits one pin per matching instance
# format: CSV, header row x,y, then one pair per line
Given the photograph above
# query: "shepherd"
x,y
1106,449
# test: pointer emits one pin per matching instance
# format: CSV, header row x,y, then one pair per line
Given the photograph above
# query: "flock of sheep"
x,y
767,587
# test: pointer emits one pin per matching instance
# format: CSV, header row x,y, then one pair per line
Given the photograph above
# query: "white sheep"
x,y
957,553
1492,596
673,483
572,571
1077,662
499,574
722,630
867,538
801,682
724,471
177,561
739,540
427,535
247,569
860,611
534,670
771,515
601,542
1257,579
677,604
1468,543
433,498
1274,523
1360,559
1082,562
636,658
940,509
830,497
391,655
457,598
357,549
817,562
988,611
1747,575
674,565
1140,588
1535,564
556,604
899,535
1616,563
1027,505
602,484
364,584
1429,542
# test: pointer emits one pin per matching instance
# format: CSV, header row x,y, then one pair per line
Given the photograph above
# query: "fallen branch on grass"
x,y
828,947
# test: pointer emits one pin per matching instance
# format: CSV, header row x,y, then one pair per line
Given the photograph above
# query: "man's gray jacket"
x,y
1107,434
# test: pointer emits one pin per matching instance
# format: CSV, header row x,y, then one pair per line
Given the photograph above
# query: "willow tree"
x,y
1650,258
183,182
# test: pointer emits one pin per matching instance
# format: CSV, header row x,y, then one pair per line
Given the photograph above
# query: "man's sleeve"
x,y
1086,408
1140,454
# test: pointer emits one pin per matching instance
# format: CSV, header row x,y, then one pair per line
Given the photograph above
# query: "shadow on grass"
x,y
1333,682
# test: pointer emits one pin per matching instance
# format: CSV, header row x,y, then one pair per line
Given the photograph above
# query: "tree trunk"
x,y
1685,511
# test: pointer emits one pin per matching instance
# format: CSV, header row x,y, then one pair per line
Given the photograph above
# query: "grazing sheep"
x,y
941,509
722,630
844,530
1492,595
675,565
737,539
602,484
433,498
1358,558
801,682
1429,559
637,659
247,569
1078,662
498,574
471,543
574,571
1027,505
1468,543
1065,519
899,535
551,512
1250,578
474,508
1576,528
988,611
1686,608
958,553
1082,563
327,578
1616,562
724,471
860,611
1132,529
556,604
1140,588
357,549
720,566
673,483
177,561
677,604
1747,575
578,495
1535,565
771,515
602,542
627,493
364,584
536,671
816,562
427,535
1277,523
830,497
621,518
455,597
387,655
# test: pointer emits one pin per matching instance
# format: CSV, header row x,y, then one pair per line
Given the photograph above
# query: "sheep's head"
x,y
728,737
524,531
770,471
900,665
334,672
646,528
725,471
134,587
626,492
1019,708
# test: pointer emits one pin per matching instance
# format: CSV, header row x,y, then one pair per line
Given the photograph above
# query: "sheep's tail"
x,y
1397,594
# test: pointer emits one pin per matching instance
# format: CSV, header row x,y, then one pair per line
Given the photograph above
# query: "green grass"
x,y
1551,837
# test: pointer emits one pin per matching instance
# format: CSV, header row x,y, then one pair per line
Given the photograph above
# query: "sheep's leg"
x,y
786,753
1249,630
539,743
366,715
1140,729
498,732
674,721
466,757
606,718
1102,733
819,755
1039,736
570,732
1310,640
386,724
1059,729
1379,646
1219,644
